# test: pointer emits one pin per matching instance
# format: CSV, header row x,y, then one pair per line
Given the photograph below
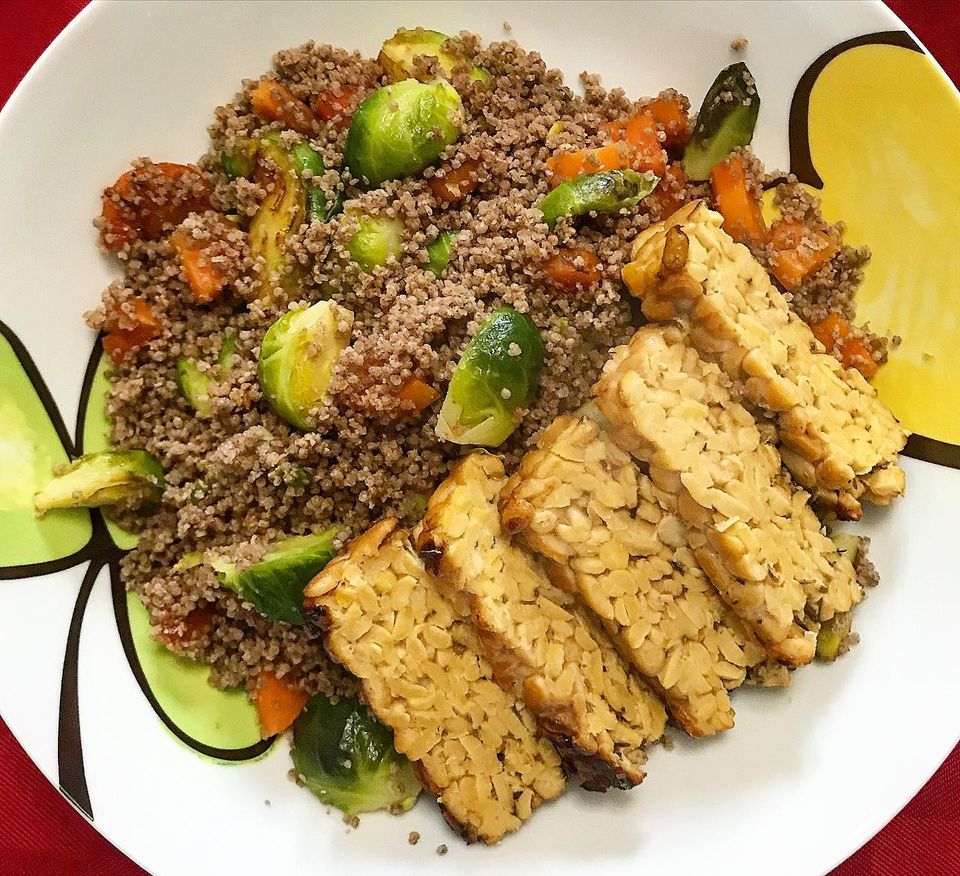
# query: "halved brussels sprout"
x,y
194,384
440,250
400,129
831,635
346,757
280,214
497,375
110,477
306,159
605,192
397,54
241,160
725,121
274,585
375,241
297,357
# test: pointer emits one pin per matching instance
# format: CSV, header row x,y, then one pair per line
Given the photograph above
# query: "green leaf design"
x,y
31,445
216,719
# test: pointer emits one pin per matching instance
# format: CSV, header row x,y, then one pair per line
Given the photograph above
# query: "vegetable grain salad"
x,y
480,429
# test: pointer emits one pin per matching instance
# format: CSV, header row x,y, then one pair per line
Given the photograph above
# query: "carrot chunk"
x,y
455,184
737,203
143,203
799,250
334,107
121,338
639,132
669,194
831,331
278,703
568,165
421,394
196,624
274,102
564,272
670,114
205,277
854,354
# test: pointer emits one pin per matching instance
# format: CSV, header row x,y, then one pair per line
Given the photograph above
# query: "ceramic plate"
x,y
174,773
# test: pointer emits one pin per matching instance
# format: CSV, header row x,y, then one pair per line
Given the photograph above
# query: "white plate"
x,y
808,774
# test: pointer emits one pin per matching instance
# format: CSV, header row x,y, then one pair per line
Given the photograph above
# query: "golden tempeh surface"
x,y
756,537
838,439
421,671
580,501
542,643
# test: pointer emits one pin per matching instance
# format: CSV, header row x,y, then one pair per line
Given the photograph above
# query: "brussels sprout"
x,y
400,129
282,212
440,250
725,121
397,54
274,585
241,160
831,635
496,376
375,241
605,192
194,386
110,477
297,358
306,159
346,757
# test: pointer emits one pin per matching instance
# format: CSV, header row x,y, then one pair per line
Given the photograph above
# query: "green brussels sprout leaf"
x,y
375,241
346,757
608,191
400,129
440,250
725,121
398,53
497,376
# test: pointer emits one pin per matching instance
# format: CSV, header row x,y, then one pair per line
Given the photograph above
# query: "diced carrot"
x,y
568,165
669,194
737,203
205,278
191,628
333,107
421,394
831,331
566,274
670,114
274,102
138,205
799,250
454,184
639,132
122,340
278,703
854,354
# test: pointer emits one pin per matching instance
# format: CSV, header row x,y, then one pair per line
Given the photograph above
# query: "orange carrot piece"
x,y
196,624
641,134
799,250
568,165
670,191
274,102
735,200
831,331
421,394
278,703
566,274
205,278
333,107
119,341
854,354
137,207
455,184
671,117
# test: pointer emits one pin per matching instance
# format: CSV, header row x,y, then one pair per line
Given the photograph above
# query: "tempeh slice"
x,y
756,537
580,501
421,671
838,439
542,643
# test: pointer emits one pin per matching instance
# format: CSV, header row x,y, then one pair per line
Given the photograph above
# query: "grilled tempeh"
x,y
838,439
580,501
754,535
421,671
542,643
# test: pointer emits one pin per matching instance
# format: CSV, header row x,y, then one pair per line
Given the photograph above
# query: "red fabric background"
x,y
41,834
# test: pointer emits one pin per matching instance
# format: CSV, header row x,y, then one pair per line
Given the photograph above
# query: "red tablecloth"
x,y
41,834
